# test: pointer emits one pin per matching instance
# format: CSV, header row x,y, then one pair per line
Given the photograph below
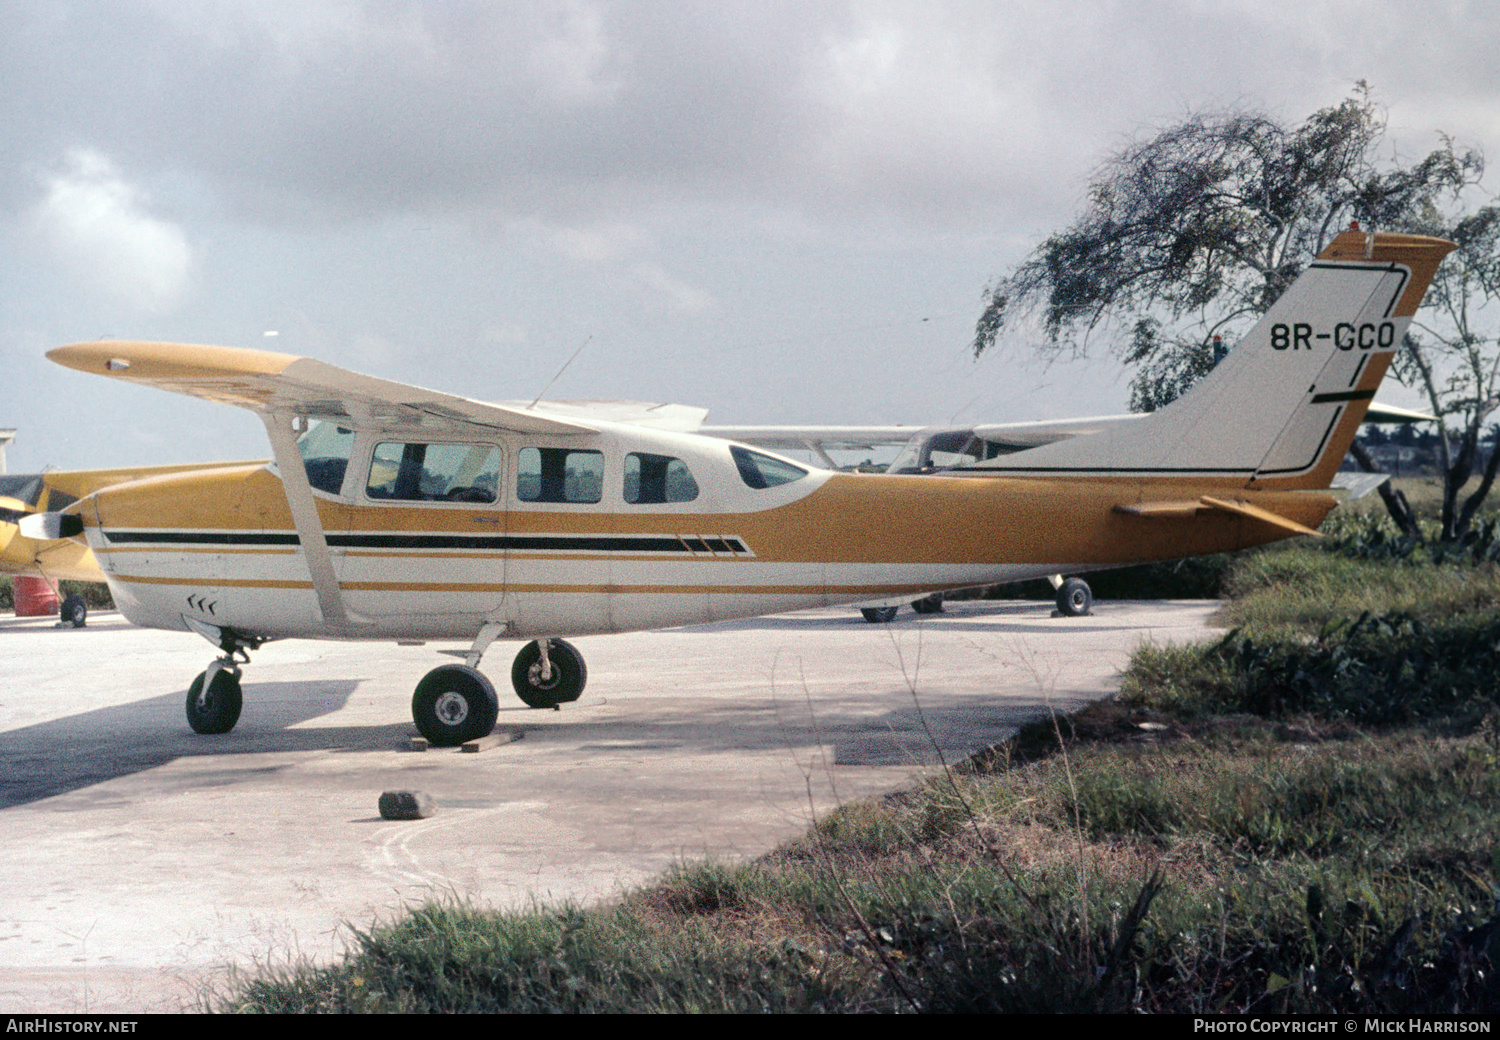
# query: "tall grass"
x,y
1305,588
1224,875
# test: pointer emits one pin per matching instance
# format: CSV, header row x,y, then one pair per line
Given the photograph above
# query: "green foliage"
x,y
1300,591
445,958
1267,877
1362,625
1167,364
1377,670
1353,798
1450,356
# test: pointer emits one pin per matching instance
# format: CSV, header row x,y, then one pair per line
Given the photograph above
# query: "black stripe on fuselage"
x,y
623,544
237,538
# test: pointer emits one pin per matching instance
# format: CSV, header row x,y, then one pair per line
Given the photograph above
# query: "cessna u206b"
x,y
391,512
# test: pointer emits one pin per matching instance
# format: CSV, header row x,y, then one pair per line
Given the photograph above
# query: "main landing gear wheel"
x,y
454,704
932,604
74,611
879,615
1074,598
541,690
217,709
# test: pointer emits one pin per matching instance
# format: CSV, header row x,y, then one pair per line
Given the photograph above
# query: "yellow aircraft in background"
x,y
24,494
392,512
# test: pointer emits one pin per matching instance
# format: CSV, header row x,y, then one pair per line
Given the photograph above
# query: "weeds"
x,y
1241,875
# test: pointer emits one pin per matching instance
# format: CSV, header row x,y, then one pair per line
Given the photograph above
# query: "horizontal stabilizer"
x,y
1187,510
1162,510
1257,513
1358,485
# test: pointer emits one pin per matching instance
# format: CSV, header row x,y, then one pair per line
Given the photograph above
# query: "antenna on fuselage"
x,y
560,371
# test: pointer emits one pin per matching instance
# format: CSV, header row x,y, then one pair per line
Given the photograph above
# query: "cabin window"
x,y
764,471
325,449
655,479
559,475
434,472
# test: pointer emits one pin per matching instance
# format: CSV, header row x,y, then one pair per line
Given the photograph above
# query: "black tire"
x,y
879,615
74,611
569,675
1074,598
932,604
220,710
453,704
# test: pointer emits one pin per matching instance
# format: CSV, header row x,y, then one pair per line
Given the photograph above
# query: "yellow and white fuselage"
x,y
222,548
396,512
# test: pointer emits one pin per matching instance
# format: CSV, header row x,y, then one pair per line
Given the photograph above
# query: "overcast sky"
x,y
783,212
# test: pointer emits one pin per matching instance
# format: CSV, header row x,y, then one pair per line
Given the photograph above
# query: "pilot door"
x,y
426,540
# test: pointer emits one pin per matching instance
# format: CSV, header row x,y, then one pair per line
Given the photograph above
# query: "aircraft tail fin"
x,y
1282,409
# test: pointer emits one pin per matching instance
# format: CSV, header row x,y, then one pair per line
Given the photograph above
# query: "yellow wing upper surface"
x,y
268,382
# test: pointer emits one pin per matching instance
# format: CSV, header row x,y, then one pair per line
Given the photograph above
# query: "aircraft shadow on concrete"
x,y
63,755
906,732
70,754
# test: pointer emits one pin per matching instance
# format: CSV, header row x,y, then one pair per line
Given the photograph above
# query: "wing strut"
x,y
299,498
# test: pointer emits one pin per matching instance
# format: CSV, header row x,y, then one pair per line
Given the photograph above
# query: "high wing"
x,y
681,418
829,438
288,391
282,384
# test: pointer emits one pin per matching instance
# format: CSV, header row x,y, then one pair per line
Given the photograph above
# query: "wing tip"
x,y
133,359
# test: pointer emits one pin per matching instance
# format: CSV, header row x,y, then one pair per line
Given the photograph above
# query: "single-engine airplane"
x,y
391,512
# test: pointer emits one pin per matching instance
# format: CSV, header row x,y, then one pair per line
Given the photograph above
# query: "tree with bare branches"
x,y
1452,354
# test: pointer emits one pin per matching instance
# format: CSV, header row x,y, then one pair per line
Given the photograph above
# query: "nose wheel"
x,y
214,700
